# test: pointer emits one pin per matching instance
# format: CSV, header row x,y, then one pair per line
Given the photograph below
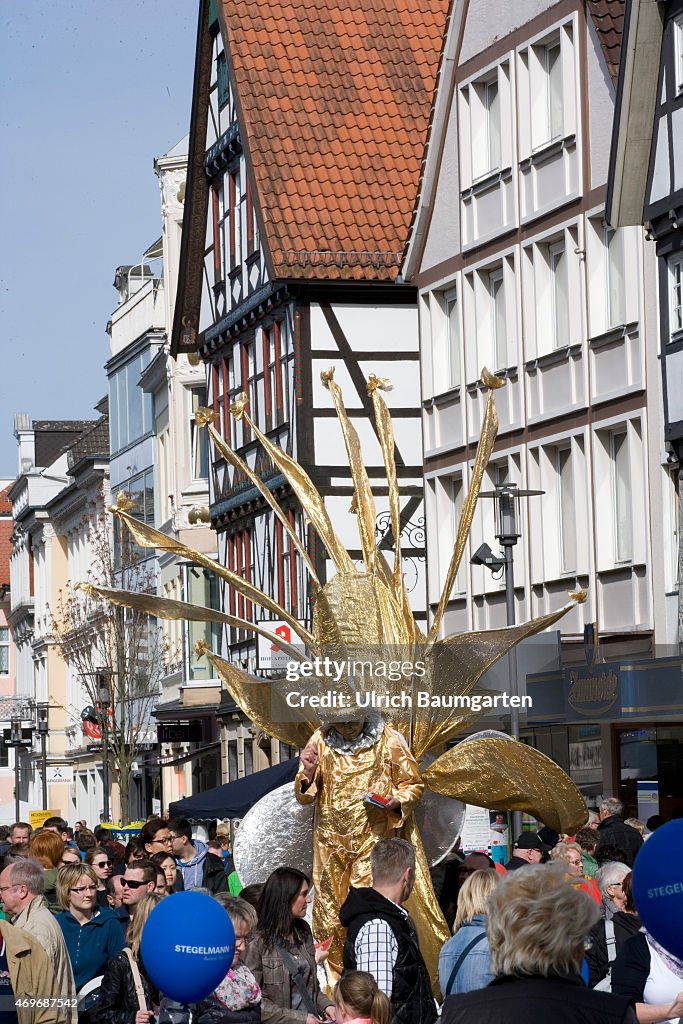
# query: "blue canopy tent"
x,y
234,799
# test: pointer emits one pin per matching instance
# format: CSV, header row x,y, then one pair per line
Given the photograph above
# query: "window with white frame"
x,y
451,312
547,89
552,66
489,316
676,295
558,292
614,275
199,439
485,128
678,50
456,494
497,318
621,495
566,507
4,651
485,107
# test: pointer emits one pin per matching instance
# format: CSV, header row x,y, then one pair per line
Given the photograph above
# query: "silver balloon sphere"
x,y
277,832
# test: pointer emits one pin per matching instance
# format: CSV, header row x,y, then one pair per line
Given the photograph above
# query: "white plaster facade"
x,y
518,271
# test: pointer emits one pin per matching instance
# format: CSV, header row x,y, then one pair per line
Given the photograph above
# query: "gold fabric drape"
x,y
510,776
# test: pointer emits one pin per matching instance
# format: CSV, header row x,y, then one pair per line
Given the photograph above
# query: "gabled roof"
x,y
335,98
52,437
93,443
608,18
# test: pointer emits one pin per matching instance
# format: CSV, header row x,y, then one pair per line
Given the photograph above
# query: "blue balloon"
x,y
585,973
188,945
658,886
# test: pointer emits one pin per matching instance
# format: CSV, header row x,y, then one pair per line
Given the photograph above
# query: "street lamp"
x,y
506,499
104,698
19,743
43,711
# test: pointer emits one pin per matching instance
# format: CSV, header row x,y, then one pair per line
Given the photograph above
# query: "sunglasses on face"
x,y
102,864
130,883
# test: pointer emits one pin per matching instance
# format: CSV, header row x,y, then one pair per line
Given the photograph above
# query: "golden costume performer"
x,y
345,827
366,612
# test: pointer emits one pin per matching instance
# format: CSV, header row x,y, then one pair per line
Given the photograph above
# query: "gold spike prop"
x,y
147,537
385,432
303,487
466,657
485,447
179,611
254,696
234,459
511,776
364,501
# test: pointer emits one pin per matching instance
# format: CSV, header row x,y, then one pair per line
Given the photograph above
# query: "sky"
x,y
91,91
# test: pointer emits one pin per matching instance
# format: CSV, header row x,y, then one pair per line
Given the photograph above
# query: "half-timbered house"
x,y
308,124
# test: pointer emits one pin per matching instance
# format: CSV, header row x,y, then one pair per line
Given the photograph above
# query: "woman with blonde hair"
x,y
359,1001
465,959
92,934
537,927
118,1002
570,857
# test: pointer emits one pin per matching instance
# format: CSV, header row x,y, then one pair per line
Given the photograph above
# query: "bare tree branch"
x,y
99,642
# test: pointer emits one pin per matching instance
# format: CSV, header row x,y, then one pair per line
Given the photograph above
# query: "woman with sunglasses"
x,y
92,934
100,861
167,863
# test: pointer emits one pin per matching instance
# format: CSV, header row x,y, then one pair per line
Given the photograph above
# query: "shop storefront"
x,y
616,728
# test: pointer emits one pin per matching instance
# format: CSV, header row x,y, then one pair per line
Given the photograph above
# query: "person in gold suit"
x,y
343,763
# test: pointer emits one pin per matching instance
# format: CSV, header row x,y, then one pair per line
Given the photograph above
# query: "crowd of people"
x,y
554,933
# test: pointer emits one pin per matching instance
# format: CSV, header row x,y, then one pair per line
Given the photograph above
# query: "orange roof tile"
x,y
335,98
608,18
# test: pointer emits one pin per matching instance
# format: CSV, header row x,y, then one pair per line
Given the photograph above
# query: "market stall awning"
x,y
234,799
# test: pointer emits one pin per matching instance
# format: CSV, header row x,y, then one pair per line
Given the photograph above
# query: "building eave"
x,y
635,112
191,263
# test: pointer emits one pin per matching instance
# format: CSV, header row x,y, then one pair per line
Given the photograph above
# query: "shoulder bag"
x,y
137,980
461,959
611,942
294,971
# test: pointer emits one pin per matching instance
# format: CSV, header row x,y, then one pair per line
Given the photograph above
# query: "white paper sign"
x,y
476,832
59,773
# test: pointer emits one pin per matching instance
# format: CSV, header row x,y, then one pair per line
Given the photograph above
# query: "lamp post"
x,y
43,711
506,499
17,741
104,697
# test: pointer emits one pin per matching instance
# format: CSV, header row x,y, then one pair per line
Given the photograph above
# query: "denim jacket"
x,y
475,970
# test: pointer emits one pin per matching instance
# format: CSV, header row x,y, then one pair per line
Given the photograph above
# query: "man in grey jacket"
x,y
21,890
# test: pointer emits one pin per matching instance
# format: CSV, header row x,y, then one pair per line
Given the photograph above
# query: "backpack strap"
x,y
611,942
461,959
137,980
